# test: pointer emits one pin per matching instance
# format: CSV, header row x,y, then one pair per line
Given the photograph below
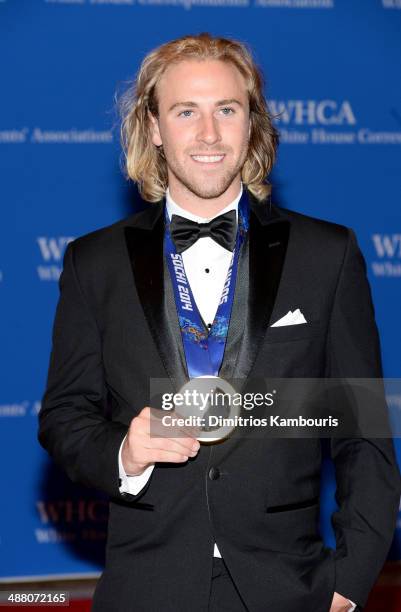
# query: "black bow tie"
x,y
221,229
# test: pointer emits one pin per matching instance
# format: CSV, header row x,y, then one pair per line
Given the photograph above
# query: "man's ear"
x,y
155,131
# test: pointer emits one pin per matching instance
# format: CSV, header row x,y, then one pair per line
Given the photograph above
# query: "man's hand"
x,y
340,603
141,450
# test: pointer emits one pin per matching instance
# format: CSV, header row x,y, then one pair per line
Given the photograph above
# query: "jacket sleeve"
x,y
367,477
73,423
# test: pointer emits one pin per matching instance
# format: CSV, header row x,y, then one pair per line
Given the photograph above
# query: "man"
x,y
231,526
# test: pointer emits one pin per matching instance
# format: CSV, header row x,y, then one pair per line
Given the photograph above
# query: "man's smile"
x,y
208,159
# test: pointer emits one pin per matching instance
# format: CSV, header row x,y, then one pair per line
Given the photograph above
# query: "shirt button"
x,y
214,473
207,270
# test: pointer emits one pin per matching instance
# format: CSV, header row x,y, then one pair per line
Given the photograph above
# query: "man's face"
x,y
203,125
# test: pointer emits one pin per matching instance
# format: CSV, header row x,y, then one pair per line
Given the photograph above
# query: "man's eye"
x,y
227,110
185,113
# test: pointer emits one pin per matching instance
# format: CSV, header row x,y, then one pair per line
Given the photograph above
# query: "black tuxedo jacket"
x,y
116,327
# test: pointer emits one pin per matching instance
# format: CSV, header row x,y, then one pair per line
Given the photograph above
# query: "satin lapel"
x,y
144,239
236,327
268,240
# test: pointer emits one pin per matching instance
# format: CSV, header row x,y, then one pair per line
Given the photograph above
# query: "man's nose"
x,y
208,130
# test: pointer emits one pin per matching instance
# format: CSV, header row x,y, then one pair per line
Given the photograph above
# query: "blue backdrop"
x,y
331,68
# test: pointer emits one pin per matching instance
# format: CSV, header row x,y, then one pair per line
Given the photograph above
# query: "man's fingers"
x,y
149,423
162,456
147,449
144,447
178,445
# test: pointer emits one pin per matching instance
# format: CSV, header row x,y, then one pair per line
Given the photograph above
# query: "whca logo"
x,y
52,252
312,112
388,252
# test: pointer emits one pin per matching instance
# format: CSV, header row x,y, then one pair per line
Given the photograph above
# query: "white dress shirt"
x,y
206,265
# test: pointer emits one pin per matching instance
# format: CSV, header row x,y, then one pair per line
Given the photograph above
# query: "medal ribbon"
x,y
204,349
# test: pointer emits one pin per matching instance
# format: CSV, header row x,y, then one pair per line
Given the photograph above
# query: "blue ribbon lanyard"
x,y
204,349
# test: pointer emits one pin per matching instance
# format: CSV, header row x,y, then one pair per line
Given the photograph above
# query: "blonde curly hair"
x,y
145,163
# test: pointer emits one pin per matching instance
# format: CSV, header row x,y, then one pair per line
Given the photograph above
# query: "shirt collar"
x,y
174,209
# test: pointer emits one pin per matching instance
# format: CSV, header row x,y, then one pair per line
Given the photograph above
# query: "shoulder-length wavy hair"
x,y
145,163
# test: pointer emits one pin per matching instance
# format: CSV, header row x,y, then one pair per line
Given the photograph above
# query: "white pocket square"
x,y
291,318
